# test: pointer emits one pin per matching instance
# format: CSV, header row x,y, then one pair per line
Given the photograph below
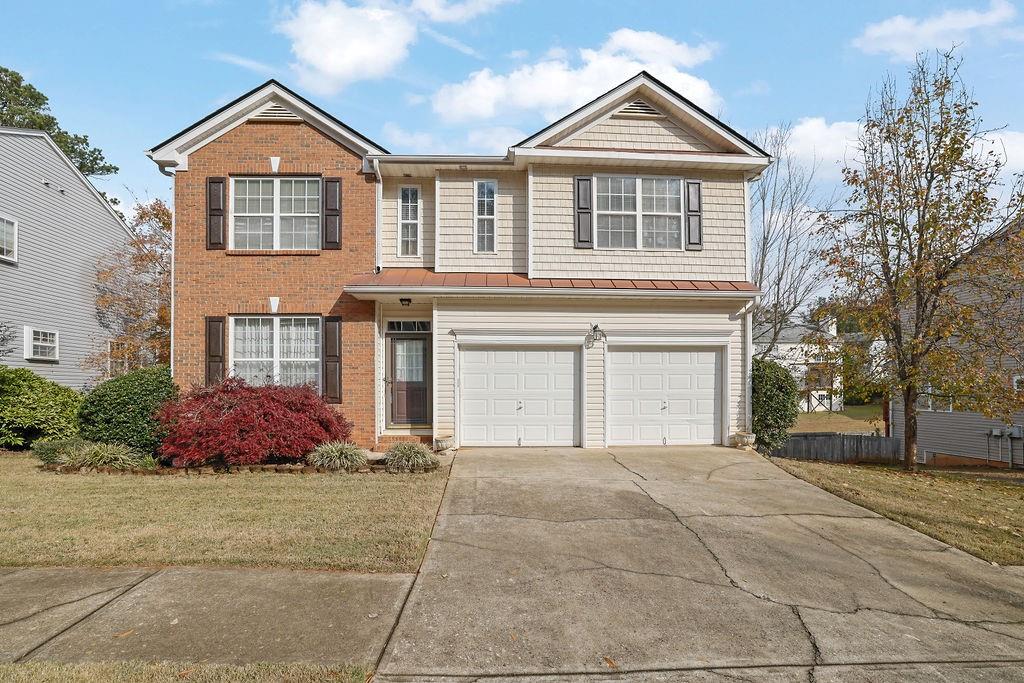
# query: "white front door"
x,y
664,396
518,396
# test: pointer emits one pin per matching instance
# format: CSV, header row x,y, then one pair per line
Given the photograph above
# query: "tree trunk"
x,y
910,428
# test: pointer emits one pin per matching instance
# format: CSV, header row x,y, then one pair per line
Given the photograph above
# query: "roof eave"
x,y
371,292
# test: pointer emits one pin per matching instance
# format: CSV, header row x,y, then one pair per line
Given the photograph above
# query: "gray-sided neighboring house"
x,y
54,230
820,388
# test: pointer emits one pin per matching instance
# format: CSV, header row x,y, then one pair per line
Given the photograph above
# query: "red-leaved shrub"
x,y
238,424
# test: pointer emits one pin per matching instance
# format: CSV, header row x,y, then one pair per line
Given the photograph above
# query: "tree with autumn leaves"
x,y
133,292
929,254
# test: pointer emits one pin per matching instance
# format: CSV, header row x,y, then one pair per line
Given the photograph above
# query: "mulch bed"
x,y
374,466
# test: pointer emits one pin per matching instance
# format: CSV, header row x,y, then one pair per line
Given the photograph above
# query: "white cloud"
x,y
518,54
409,142
829,145
446,11
454,44
415,99
487,140
243,62
755,89
554,86
1010,144
493,140
902,37
336,44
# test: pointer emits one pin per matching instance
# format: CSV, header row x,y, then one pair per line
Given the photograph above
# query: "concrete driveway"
x,y
680,564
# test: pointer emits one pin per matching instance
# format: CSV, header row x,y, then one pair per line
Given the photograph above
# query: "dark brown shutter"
x,y
584,221
694,222
332,359
216,202
215,361
332,213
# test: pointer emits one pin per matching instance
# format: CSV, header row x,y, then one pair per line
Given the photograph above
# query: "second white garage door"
x,y
518,396
664,396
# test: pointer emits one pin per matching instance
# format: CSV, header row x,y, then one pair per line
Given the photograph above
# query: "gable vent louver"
x,y
275,112
639,108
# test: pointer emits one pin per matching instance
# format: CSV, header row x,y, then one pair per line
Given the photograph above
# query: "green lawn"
x,y
854,419
981,515
135,672
357,522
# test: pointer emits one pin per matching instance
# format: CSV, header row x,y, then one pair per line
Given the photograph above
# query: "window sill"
x,y
272,252
48,361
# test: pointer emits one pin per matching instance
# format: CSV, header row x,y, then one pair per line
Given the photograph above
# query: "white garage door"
x,y
664,396
518,397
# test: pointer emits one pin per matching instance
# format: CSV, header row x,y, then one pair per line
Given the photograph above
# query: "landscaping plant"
x,y
337,455
113,455
55,450
33,407
775,396
122,409
404,456
234,423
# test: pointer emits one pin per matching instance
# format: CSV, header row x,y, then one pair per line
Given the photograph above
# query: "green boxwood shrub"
x,y
121,410
55,450
403,456
33,407
113,455
337,455
775,397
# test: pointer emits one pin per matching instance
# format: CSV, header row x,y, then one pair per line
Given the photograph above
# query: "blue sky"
x,y
477,75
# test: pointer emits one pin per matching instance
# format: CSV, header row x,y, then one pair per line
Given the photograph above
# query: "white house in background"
x,y
821,388
54,229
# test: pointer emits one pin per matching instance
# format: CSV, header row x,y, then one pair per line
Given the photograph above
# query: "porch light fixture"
x,y
595,334
405,302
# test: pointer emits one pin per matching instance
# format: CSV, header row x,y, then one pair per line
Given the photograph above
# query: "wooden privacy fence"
x,y
834,447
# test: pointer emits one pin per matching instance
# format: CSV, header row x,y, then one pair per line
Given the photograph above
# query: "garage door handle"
x,y
664,405
519,405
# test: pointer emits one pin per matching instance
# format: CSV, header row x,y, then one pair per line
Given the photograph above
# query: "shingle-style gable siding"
x,y
389,224
63,232
723,256
663,135
455,231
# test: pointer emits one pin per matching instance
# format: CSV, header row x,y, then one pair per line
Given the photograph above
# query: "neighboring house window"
x,y
1018,382
8,239
658,216
485,215
41,344
117,358
937,404
275,213
276,350
409,221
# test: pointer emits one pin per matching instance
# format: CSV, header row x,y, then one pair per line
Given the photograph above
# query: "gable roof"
x,y
32,132
271,100
644,84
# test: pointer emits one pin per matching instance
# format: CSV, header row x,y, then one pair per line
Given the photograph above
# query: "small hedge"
x,y
775,398
234,423
338,455
403,457
32,407
55,451
122,410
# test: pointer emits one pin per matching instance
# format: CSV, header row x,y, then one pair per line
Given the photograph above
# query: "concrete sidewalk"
x,y
224,616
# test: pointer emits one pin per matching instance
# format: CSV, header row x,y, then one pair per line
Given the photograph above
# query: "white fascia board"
x,y
723,161
375,291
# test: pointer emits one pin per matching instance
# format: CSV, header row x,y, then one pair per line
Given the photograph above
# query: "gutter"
x,y
378,213
396,290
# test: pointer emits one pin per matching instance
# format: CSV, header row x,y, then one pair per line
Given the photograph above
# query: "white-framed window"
x,y
41,344
276,349
1018,382
8,239
117,358
654,222
936,404
410,217
275,213
485,216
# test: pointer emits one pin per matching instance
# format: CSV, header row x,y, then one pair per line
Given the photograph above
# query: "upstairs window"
x,y
275,213
409,221
616,213
8,239
485,215
276,350
41,344
658,215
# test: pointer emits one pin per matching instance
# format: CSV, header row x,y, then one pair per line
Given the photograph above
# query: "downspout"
x,y
748,364
377,212
174,239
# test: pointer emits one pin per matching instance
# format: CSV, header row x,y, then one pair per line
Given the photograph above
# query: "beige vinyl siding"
x,y
958,433
554,254
663,135
456,230
574,317
389,224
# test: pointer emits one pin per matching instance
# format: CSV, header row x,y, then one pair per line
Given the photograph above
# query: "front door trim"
x,y
389,373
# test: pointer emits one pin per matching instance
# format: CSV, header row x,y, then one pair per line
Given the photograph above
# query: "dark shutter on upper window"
x,y
215,361
216,219
332,213
694,220
584,219
332,359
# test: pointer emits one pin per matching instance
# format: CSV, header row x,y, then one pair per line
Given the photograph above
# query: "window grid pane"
x,y
288,352
616,231
44,344
7,244
409,216
485,234
663,232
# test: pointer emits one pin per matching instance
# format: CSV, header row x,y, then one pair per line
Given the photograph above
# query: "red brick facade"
x,y
223,283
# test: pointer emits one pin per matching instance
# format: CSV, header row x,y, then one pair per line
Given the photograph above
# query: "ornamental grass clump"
x,y
117,456
337,455
54,451
405,457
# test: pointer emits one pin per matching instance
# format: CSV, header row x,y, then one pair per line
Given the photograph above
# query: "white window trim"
x,y
926,393
477,216
1018,379
640,213
29,345
419,221
14,258
277,211
277,345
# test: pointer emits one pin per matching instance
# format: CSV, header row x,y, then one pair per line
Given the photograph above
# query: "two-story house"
x,y
588,288
55,229
797,347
